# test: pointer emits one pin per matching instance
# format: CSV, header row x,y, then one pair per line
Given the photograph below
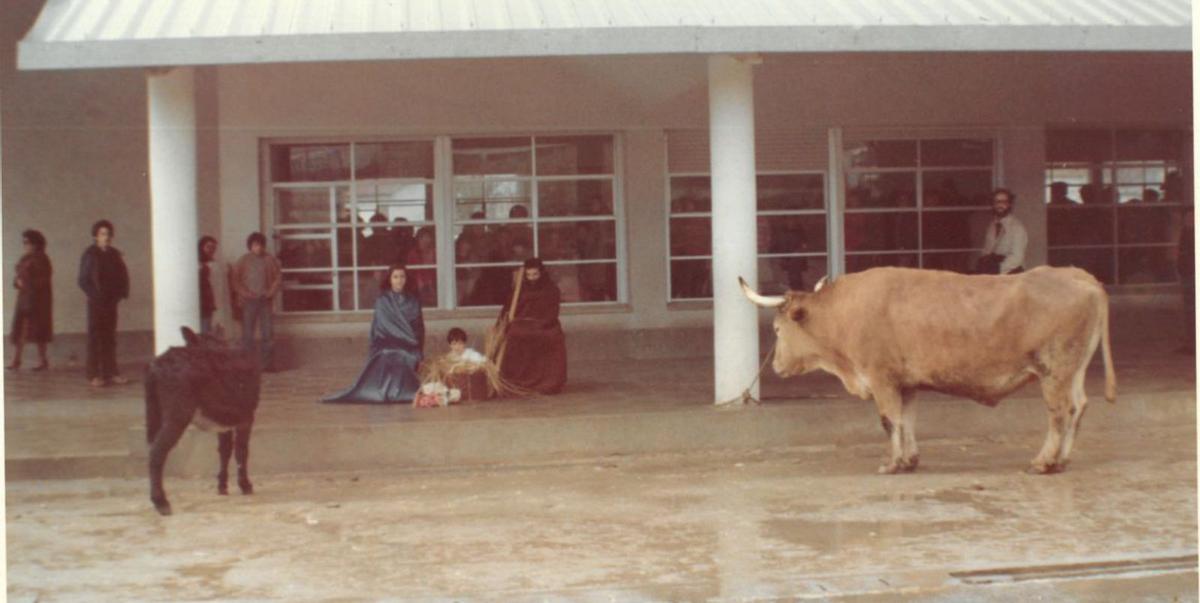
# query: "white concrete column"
x,y
734,232
173,218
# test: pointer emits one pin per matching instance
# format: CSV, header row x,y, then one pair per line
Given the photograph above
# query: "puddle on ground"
x,y
975,497
830,537
880,518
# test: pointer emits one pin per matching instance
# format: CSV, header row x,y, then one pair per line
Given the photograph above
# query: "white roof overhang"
x,y
83,34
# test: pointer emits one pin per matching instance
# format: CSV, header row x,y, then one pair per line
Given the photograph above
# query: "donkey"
x,y
219,382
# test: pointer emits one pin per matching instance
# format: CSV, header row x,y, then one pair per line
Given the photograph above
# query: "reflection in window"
x,y
792,242
310,162
342,212
917,203
546,196
334,230
1115,199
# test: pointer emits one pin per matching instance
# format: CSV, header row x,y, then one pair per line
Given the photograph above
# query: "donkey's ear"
x,y
189,336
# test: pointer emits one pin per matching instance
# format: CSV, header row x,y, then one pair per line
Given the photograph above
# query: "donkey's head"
x,y
206,341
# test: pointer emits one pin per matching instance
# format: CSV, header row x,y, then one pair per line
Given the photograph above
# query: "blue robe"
x,y
397,339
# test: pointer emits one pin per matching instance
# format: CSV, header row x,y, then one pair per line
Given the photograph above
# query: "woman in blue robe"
x,y
397,340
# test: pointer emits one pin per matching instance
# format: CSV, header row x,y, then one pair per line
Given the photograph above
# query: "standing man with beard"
x,y
1005,242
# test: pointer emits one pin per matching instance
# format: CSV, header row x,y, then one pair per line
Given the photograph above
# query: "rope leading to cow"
x,y
746,398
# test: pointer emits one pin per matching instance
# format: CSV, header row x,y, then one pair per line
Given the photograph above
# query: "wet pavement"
x,y
775,524
57,414
751,522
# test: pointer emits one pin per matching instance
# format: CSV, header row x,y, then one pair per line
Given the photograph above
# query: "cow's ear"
x,y
794,307
189,336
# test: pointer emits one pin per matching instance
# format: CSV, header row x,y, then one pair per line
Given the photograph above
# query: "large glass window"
x,y
342,212
918,203
553,197
1114,201
791,232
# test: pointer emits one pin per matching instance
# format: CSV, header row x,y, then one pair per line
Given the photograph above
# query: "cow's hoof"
x,y
163,507
223,489
909,465
247,487
889,469
1043,469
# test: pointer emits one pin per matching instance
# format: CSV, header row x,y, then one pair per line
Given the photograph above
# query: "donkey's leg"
x,y
164,441
242,451
225,450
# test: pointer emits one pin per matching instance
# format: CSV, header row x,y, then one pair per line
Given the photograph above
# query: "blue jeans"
x,y
257,311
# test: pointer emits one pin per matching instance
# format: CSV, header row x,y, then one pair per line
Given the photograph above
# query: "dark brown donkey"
x,y
205,376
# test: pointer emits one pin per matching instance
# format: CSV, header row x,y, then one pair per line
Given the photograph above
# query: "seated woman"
x,y
533,353
397,340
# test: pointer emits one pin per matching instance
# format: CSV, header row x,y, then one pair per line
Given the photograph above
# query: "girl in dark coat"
x,y
33,320
397,341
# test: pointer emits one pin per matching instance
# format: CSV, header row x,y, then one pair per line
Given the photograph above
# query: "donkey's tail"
x,y
153,408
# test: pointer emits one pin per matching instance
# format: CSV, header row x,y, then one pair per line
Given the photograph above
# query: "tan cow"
x,y
889,332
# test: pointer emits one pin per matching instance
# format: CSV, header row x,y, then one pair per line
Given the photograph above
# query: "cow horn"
x,y
821,283
761,300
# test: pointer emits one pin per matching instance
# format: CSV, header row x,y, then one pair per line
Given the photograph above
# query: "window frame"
x,y
919,171
1108,169
670,215
441,188
617,218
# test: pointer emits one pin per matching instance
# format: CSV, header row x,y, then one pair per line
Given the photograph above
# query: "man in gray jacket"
x,y
256,278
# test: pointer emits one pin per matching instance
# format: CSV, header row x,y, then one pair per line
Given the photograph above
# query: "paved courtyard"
x,y
742,523
751,525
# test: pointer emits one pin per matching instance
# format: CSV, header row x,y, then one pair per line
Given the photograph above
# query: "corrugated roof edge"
x,y
33,55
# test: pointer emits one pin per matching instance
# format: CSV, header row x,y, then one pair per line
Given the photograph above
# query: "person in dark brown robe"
x,y
33,321
534,355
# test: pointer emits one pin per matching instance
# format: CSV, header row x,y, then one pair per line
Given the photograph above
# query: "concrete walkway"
x,y
57,426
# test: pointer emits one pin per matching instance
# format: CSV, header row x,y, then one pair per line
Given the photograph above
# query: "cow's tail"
x,y
1110,375
153,408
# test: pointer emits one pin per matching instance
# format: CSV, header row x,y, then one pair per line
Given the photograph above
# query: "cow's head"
x,y
796,352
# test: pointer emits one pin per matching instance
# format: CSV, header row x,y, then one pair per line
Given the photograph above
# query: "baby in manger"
x,y
459,353
460,374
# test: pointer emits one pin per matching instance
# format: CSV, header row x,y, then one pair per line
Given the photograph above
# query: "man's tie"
x,y
999,229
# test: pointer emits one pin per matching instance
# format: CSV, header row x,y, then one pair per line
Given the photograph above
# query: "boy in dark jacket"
x,y
105,280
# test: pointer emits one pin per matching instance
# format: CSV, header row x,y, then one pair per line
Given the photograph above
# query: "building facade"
x,y
601,164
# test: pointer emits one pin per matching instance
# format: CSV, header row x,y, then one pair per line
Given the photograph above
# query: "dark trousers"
x,y
1189,312
102,339
258,311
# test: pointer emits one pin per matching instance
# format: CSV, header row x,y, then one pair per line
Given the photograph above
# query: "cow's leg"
x,y
909,458
890,404
1078,405
225,450
1078,395
164,441
1057,393
242,451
